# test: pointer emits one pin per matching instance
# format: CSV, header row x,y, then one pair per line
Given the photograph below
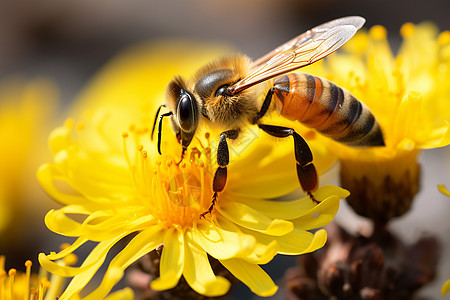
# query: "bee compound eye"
x,y
186,113
222,91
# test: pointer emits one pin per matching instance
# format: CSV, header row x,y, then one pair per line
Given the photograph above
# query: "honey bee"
x,y
225,93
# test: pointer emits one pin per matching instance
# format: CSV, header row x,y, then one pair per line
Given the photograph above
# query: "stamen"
x,y
69,122
43,286
407,30
202,188
2,263
11,274
169,163
444,38
80,126
2,283
28,265
378,32
125,149
70,259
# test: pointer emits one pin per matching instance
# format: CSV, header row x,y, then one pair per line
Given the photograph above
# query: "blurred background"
x,y
69,41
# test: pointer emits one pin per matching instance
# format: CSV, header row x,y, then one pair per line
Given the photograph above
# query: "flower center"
x,y
174,192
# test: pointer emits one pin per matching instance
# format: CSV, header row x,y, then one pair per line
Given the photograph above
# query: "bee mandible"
x,y
225,93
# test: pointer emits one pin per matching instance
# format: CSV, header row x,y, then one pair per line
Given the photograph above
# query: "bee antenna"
x,y
160,129
154,121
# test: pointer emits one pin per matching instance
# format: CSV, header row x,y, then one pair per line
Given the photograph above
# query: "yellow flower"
x,y
443,190
16,285
25,108
410,96
445,287
112,183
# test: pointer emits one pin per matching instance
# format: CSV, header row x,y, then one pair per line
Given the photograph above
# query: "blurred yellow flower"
x,y
443,190
445,287
410,96
107,171
25,108
15,285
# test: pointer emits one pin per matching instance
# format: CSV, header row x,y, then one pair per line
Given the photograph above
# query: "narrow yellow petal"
x,y
297,242
124,294
199,274
245,216
141,244
256,252
288,210
445,287
66,251
90,262
262,253
327,190
87,270
318,241
57,221
46,175
252,275
172,258
102,226
322,214
443,190
436,137
220,243
408,113
275,163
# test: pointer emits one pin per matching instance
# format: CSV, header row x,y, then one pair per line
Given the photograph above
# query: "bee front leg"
x,y
183,153
223,158
306,172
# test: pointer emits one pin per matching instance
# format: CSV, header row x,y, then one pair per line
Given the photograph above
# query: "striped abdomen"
x,y
331,110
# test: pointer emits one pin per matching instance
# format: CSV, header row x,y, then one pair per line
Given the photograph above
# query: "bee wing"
x,y
301,51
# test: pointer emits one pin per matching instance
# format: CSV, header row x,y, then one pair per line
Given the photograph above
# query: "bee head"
x,y
185,111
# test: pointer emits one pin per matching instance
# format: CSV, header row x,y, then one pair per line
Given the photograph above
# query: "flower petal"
x,y
172,259
250,218
443,190
436,137
220,243
275,163
258,253
199,274
57,221
101,225
252,275
296,242
140,245
322,214
445,287
124,294
46,175
85,272
66,251
288,210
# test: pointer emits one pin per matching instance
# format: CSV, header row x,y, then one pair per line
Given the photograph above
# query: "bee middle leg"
x,y
306,171
223,158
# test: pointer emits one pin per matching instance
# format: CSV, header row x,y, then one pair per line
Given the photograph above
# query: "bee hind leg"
x,y
223,158
306,171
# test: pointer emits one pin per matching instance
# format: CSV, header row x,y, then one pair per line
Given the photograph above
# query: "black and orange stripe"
x,y
331,110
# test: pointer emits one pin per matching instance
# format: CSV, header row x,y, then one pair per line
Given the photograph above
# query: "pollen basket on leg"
x,y
174,193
